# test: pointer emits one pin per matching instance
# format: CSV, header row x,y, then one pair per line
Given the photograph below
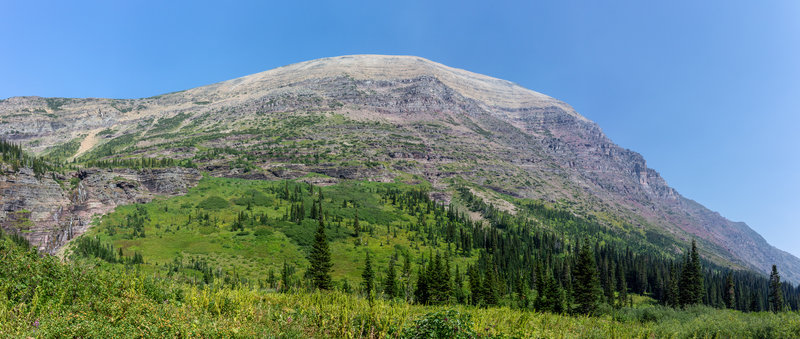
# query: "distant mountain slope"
x,y
380,117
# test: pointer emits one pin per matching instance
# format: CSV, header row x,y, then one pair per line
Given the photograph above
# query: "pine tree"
x,y
490,286
673,292
775,293
458,287
691,283
551,298
320,259
730,292
586,290
421,293
756,304
367,277
475,286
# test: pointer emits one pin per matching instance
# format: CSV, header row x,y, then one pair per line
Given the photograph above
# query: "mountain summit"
x,y
369,117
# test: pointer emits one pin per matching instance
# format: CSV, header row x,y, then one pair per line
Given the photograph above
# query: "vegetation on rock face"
x,y
16,158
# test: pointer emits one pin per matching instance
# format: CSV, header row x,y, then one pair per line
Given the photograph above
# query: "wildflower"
x,y
289,320
36,323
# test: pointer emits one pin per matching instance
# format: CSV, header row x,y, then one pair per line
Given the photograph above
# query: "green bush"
x,y
442,324
254,198
213,203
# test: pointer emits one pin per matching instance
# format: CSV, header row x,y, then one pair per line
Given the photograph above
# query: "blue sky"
x,y
707,91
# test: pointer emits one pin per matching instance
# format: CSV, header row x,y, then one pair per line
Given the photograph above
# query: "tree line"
x,y
525,265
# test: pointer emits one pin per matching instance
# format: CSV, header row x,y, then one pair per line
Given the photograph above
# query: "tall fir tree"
x,y
730,292
775,293
586,290
458,287
489,290
320,259
691,283
368,276
475,286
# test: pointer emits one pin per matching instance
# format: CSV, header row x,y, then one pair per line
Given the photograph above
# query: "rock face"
x,y
50,214
368,117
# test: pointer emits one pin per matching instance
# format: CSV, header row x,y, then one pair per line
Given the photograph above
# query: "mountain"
x,y
369,117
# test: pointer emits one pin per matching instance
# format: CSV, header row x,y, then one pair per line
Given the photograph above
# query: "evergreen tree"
x,y
756,304
775,293
673,291
551,298
475,286
691,283
458,287
586,290
421,293
320,259
730,292
367,277
489,292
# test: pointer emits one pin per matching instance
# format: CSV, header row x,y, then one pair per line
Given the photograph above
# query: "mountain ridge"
x,y
474,122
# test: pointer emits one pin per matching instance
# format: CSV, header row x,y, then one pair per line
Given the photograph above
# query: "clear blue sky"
x,y
707,91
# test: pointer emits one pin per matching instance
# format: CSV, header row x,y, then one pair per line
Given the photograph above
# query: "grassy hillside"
x,y
200,227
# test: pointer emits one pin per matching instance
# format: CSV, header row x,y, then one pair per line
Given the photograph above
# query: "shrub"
x,y
253,197
213,203
442,324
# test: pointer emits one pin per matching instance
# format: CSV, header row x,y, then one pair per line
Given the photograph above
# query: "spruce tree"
x,y
691,282
775,293
586,290
368,277
697,274
421,292
489,292
458,287
320,259
730,292
475,286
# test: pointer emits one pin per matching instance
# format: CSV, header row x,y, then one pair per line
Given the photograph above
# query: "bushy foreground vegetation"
x,y
42,297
